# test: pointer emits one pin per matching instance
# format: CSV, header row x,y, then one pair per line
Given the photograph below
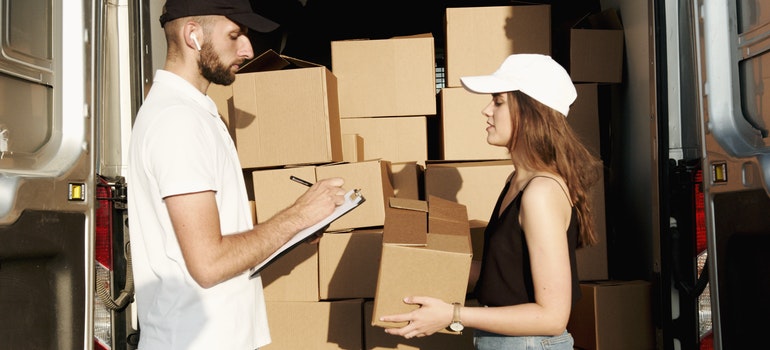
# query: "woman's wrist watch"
x,y
456,325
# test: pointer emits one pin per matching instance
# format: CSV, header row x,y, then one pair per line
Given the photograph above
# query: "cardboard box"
x,y
464,128
373,179
613,315
274,191
376,339
426,250
293,276
271,128
478,39
385,77
348,263
315,325
596,49
396,139
474,184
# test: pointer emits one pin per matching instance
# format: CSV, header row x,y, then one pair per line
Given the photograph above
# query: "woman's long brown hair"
x,y
543,141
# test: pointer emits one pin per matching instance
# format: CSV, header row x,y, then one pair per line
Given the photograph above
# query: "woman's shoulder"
x,y
542,183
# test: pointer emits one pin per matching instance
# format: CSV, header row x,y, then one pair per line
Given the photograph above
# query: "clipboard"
x,y
353,199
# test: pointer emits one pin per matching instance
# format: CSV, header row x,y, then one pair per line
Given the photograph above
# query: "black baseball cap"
x,y
238,11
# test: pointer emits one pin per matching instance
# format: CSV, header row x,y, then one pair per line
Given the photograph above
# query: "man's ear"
x,y
190,35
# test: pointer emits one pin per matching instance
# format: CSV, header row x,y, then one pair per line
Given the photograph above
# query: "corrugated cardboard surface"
x,y
272,129
596,49
293,276
274,191
372,177
385,77
464,128
397,139
315,325
352,147
613,315
478,39
407,222
475,184
592,261
583,117
407,179
348,263
439,269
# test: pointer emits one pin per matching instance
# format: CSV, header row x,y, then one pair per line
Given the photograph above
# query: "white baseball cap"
x,y
538,76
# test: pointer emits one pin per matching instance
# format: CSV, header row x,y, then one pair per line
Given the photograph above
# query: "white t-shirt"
x,y
180,145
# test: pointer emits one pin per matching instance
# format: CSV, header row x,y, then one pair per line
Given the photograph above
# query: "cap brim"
x,y
487,84
254,22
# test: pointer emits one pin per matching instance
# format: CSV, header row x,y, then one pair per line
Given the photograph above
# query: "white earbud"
x,y
195,40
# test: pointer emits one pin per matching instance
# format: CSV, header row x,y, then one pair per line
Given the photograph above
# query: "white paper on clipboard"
x,y
353,199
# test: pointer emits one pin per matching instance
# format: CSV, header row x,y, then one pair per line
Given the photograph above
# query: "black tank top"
x,y
506,276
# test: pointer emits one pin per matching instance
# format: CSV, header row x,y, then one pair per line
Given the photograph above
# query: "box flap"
x,y
271,60
406,223
447,217
409,204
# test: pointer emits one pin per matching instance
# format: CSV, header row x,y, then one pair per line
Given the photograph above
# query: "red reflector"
x,y
700,212
103,244
99,346
707,342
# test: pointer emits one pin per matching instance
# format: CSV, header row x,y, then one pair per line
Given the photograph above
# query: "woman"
x,y
527,281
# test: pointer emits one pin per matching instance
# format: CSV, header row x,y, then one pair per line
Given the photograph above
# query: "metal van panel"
x,y
734,92
47,128
42,290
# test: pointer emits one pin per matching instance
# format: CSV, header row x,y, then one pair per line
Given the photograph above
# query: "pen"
x,y
298,180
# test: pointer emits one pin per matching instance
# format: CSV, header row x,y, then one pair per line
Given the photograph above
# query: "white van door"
x,y
733,54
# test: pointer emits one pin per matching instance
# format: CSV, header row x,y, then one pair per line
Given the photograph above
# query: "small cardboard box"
x,y
385,77
464,128
478,39
396,139
596,49
347,264
267,112
373,178
613,315
324,325
426,250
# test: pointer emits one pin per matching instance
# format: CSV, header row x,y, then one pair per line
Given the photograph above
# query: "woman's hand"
x,y
431,316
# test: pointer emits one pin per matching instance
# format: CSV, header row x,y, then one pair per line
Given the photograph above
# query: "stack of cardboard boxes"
x,y
374,119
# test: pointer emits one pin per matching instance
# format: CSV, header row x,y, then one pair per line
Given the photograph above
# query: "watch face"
x,y
456,326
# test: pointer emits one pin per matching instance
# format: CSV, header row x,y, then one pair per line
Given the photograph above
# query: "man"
x,y
192,237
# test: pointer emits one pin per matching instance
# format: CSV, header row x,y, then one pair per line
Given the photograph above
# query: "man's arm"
x,y
212,258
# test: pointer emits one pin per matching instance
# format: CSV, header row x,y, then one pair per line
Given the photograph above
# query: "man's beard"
x,y
212,69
